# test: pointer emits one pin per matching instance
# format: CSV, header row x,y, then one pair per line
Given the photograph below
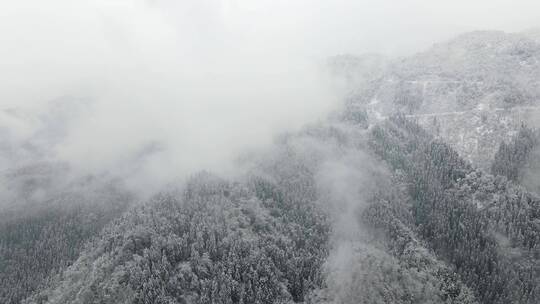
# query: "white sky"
x,y
324,27
75,39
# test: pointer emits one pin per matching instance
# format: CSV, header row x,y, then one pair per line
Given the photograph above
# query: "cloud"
x,y
155,75
203,80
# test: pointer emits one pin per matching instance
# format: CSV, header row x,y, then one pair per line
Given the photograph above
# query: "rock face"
x,y
474,91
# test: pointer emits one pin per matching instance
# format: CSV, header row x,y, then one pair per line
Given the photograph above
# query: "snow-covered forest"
x,y
374,178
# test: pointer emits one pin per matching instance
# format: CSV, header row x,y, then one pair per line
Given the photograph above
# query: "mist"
x,y
160,89
191,84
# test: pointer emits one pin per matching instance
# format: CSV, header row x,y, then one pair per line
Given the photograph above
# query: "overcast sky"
x,y
208,77
49,43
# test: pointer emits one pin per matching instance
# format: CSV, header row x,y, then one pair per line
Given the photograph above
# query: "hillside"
x,y
474,91
424,189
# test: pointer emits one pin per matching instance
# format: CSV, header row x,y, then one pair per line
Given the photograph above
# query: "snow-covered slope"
x,y
474,91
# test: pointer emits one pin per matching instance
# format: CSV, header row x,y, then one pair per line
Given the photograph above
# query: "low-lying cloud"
x,y
167,88
171,87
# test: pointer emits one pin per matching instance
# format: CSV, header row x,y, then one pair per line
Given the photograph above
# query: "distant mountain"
x,y
29,134
474,91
